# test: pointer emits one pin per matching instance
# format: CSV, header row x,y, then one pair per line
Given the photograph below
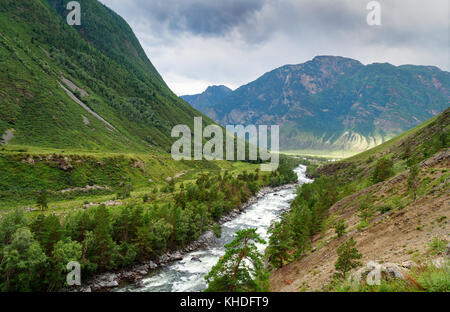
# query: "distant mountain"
x,y
88,87
334,103
204,101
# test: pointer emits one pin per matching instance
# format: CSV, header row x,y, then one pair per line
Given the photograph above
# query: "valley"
x,y
392,219
91,173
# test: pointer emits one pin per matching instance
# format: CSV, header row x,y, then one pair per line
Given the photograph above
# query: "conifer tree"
x,y
413,177
347,258
42,200
280,244
340,228
103,237
241,269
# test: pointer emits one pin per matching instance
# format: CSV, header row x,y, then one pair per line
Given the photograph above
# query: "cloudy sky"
x,y
197,43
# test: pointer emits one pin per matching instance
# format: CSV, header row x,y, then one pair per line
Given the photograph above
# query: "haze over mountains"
x,y
333,103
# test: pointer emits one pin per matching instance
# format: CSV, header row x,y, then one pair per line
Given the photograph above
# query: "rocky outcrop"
x,y
373,272
85,189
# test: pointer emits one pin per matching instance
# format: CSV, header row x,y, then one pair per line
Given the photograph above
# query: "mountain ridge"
x,y
102,58
203,101
333,103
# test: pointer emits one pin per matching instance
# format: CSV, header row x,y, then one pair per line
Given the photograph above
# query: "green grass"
x,y
102,57
25,178
421,279
384,146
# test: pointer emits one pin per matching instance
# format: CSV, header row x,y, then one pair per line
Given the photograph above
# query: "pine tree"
x,y
301,223
143,242
280,244
413,177
340,228
48,231
241,269
383,170
103,237
347,256
41,200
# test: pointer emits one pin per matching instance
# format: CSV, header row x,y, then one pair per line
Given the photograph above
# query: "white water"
x,y
187,275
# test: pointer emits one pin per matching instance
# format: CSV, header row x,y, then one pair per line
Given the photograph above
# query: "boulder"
x,y
108,280
164,258
373,272
152,265
176,256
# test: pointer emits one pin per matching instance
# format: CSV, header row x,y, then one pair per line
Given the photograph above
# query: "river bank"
x,y
111,280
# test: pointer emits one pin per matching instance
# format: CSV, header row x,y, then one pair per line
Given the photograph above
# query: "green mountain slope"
x,y
335,103
88,87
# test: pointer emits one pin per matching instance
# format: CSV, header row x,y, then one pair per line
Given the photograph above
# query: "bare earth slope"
x,y
393,237
401,227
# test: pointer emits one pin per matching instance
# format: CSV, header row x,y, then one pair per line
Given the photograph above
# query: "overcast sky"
x,y
197,43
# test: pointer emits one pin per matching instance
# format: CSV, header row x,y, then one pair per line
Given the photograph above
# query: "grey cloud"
x,y
199,42
208,18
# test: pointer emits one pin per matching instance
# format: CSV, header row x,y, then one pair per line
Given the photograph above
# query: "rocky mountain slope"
x,y
398,227
335,103
88,87
206,100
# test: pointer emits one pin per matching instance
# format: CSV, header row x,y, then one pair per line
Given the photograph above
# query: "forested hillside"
x,y
390,203
88,87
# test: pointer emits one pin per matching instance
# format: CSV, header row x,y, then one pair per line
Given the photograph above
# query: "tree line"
x,y
35,250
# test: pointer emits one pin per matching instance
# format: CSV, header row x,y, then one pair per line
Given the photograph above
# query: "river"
x,y
188,274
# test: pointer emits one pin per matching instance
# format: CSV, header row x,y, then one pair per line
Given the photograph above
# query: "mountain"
x,y
392,200
89,87
334,103
204,101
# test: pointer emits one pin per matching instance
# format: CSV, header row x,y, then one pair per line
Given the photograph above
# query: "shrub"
x,y
383,170
383,209
340,228
217,230
437,246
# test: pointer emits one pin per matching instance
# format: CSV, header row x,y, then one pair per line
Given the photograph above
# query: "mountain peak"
x,y
331,59
219,88
333,103
205,100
